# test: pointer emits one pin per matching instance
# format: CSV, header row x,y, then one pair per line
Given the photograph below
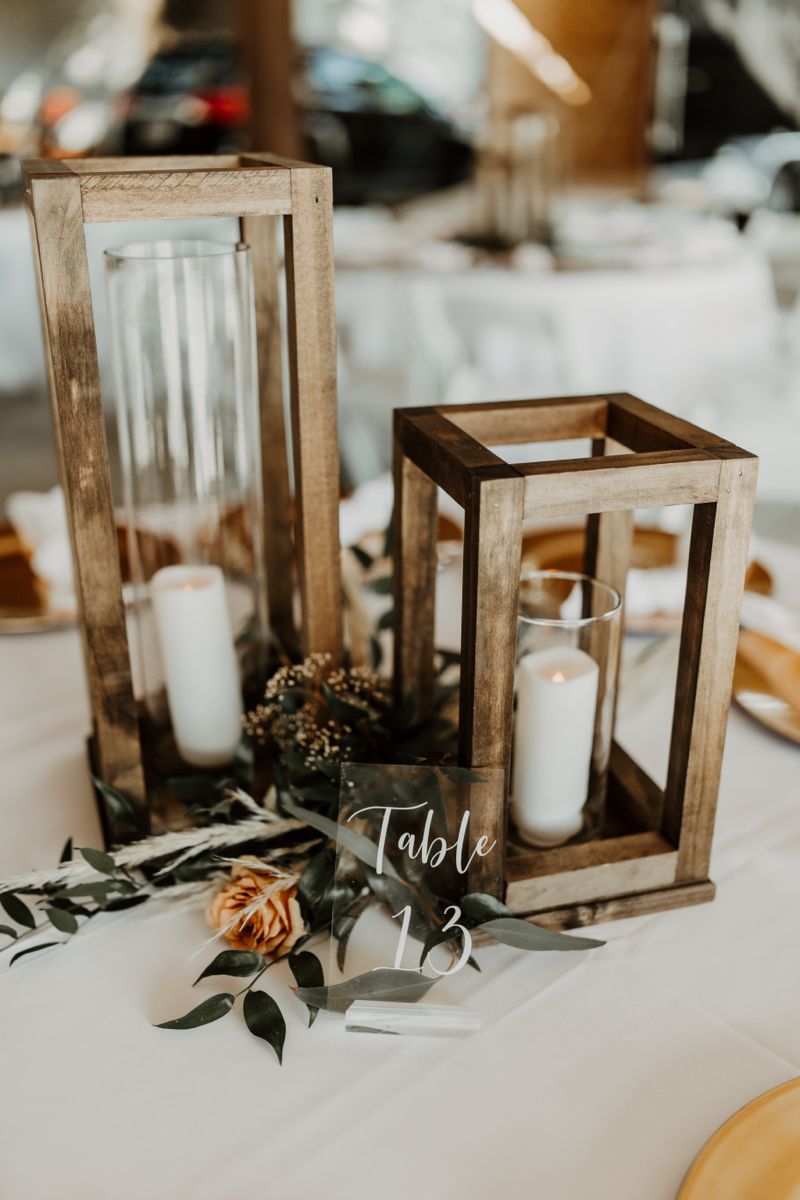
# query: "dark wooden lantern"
x,y
641,457
259,189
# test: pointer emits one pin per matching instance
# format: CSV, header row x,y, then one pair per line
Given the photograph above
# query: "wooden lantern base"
x,y
164,810
628,871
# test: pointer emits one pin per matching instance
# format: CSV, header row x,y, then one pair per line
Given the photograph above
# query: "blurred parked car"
x,y
383,141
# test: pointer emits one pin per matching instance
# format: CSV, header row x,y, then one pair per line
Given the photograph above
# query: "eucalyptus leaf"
x,y
461,774
63,921
317,793
396,895
314,888
438,937
342,709
124,902
245,755
308,973
386,983
366,560
66,853
195,787
364,850
446,659
386,620
9,932
376,652
330,770
511,931
344,927
210,1010
479,906
33,949
296,764
265,1020
383,586
98,889
97,859
17,909
118,806
241,963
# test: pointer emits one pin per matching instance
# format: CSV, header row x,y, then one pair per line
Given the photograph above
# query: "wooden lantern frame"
x,y
260,189
658,855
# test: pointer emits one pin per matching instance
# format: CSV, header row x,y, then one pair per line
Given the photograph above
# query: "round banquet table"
x,y
597,1075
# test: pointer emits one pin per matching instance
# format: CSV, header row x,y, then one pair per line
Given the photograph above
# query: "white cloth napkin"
x,y
39,520
764,615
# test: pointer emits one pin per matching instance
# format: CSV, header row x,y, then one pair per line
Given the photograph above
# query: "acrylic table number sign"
x,y
405,847
404,912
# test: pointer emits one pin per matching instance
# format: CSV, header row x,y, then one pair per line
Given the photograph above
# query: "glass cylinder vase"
x,y
183,339
568,639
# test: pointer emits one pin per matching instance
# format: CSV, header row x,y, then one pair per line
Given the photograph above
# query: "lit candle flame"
x,y
559,677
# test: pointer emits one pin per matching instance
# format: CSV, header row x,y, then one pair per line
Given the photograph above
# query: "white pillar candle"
x,y
199,659
553,736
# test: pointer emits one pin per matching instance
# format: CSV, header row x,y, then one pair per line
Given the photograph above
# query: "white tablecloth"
x,y
595,1075
658,332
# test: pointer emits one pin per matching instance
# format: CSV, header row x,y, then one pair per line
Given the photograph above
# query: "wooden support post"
x,y
261,234
268,48
312,365
66,303
415,527
609,535
717,563
492,555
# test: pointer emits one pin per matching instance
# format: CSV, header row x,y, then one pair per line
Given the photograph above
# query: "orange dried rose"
x,y
257,909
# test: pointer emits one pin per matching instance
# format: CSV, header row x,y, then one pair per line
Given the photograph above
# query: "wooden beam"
x,y
71,351
596,912
580,486
717,562
517,422
261,234
648,867
415,530
169,195
445,452
490,591
643,427
315,440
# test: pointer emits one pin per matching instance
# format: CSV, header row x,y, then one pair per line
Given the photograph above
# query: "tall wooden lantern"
x,y
259,190
654,850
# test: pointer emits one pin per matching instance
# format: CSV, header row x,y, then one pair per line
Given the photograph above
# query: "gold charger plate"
x,y
755,1155
24,606
754,695
562,550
